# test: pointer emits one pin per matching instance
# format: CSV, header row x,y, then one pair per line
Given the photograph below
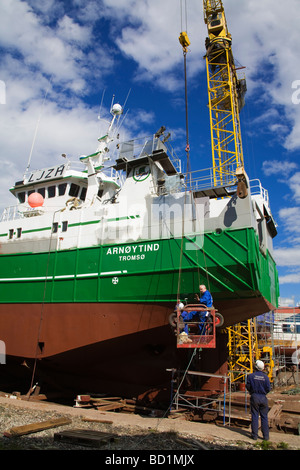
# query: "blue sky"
x,y
71,51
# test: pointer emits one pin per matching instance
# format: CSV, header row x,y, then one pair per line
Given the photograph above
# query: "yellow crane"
x,y
226,93
226,97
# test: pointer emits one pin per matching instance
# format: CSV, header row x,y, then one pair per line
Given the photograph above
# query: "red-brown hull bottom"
x,y
122,349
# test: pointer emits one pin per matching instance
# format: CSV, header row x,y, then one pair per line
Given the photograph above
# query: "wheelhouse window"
x,y
42,191
74,190
11,233
62,189
19,232
55,227
51,191
21,197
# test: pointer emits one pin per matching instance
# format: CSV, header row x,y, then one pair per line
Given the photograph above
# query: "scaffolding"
x,y
286,345
274,338
191,400
242,350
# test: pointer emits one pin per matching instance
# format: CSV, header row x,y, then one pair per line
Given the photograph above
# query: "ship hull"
x,y
230,263
98,317
120,349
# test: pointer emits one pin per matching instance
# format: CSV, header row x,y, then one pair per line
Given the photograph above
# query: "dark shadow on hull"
x,y
135,366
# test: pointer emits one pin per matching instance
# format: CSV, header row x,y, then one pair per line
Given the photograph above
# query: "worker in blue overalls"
x,y
205,299
258,385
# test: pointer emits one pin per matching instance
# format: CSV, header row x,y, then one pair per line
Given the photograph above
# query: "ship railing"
x,y
11,213
210,178
21,212
257,189
145,146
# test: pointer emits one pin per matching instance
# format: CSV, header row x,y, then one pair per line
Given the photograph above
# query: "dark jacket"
x,y
258,383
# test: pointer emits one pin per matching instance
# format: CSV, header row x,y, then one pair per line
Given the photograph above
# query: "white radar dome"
x,y
117,109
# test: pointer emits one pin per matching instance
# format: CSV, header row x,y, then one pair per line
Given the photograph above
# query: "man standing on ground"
x,y
258,385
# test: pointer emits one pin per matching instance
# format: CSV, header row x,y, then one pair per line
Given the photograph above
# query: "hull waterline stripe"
x,y
64,276
17,279
105,273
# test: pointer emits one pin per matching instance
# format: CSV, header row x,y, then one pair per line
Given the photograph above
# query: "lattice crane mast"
x,y
226,97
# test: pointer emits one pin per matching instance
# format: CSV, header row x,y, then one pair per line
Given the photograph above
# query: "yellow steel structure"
x,y
242,350
225,100
226,96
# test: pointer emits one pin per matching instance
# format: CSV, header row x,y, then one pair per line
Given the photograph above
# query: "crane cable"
x,y
185,42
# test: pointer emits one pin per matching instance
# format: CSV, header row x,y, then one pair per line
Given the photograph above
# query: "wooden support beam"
x,y
36,427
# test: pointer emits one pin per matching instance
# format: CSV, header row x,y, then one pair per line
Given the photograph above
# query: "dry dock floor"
x,y
134,424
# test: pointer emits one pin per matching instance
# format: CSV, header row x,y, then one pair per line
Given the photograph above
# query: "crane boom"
x,y
225,93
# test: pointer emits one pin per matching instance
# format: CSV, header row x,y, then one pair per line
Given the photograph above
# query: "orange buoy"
x,y
35,200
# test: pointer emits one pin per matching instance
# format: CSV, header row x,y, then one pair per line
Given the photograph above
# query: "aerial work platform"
x,y
200,331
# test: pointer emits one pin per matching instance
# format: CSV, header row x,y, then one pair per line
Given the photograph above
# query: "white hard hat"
x,y
260,365
181,306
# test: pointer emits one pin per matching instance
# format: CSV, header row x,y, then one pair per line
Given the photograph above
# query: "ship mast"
x,y
94,162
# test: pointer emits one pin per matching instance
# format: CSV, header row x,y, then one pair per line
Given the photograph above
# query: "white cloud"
x,y
289,222
70,31
149,33
49,9
265,35
287,256
282,168
40,61
294,184
47,39
56,51
292,278
60,130
286,301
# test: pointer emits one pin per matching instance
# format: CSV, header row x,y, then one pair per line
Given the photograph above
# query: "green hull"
x,y
230,264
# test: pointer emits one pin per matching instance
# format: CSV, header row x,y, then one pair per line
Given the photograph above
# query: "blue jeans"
x,y
194,316
259,407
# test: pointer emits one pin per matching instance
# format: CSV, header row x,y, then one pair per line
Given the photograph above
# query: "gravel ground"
x,y
147,434
126,438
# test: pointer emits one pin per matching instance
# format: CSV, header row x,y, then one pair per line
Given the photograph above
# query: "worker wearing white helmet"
x,y
258,385
259,365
